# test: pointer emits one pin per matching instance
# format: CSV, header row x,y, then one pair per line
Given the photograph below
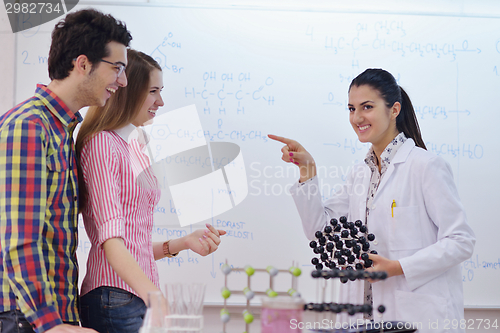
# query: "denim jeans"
x,y
112,310
15,322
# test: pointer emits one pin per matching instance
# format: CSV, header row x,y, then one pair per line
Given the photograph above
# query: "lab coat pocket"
x,y
405,229
424,311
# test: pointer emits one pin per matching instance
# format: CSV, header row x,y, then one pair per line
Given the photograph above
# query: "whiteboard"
x,y
257,70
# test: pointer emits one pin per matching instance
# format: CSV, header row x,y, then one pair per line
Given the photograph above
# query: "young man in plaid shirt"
x,y
38,174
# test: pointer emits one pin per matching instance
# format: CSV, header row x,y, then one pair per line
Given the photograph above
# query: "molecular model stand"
x,y
249,294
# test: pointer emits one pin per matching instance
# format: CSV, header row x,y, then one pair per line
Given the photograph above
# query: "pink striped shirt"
x,y
120,203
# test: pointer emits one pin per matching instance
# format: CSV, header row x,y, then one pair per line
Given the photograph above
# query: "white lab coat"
x,y
428,234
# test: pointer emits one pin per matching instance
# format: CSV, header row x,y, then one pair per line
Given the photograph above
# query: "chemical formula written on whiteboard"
x,y
389,37
163,53
229,93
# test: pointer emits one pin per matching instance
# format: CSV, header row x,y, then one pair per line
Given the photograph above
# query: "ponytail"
x,y
406,121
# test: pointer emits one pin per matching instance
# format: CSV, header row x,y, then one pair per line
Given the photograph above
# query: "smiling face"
x,y
104,80
370,117
153,100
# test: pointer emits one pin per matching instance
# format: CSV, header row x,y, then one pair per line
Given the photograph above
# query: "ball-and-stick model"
x,y
342,245
349,274
249,293
344,248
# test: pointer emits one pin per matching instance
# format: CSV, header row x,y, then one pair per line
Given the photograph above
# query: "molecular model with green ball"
x,y
249,293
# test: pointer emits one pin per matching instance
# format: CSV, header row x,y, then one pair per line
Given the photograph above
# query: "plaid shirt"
x,y
38,211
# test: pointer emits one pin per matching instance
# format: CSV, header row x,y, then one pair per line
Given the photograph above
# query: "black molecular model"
x,y
344,248
343,245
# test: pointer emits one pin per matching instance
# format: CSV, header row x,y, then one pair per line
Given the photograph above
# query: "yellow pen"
x,y
392,207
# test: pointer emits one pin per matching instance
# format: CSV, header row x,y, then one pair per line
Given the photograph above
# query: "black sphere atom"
x,y
319,307
366,308
335,308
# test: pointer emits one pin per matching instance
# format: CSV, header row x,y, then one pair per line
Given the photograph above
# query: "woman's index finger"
x,y
280,139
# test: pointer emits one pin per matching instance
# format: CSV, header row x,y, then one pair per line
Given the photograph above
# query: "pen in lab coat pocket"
x,y
392,207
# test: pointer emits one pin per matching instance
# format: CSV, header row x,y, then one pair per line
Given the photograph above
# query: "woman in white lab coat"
x,y
408,199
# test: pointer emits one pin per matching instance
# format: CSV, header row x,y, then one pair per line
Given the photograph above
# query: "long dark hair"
x,y
391,92
120,109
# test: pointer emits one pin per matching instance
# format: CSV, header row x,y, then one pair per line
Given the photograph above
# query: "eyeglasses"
x,y
120,67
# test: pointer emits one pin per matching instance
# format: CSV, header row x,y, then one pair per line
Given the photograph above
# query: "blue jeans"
x,y
110,310
14,321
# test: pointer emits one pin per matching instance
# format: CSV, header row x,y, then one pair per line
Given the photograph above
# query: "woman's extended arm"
x,y
202,241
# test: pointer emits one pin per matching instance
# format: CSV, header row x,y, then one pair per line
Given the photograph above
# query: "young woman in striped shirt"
x,y
117,202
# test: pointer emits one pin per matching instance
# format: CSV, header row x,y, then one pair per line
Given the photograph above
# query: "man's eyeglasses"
x,y
120,67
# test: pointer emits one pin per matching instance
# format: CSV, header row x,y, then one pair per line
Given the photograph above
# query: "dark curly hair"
x,y
85,32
